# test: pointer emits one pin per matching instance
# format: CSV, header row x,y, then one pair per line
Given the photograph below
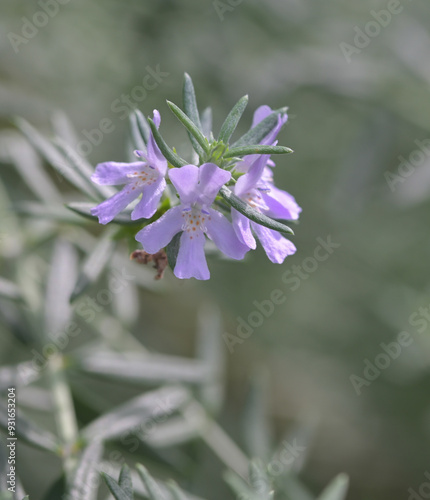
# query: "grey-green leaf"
x,y
82,485
135,412
9,290
154,491
54,157
337,488
18,375
192,129
230,123
257,149
125,481
84,209
29,432
94,264
115,488
252,214
191,109
259,132
206,120
62,277
84,169
168,153
190,102
137,368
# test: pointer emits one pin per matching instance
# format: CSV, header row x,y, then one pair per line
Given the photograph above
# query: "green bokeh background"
x,y
349,123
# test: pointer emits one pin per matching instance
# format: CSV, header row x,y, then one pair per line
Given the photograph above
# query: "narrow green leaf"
x,y
177,493
154,491
29,165
130,415
84,209
125,481
206,120
172,250
190,102
191,127
82,486
29,432
337,488
61,279
259,480
57,213
168,153
114,487
259,132
257,149
191,109
256,425
51,154
94,265
138,368
239,486
84,169
252,214
230,123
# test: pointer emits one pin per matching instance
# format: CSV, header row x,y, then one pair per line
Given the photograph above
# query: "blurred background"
x,y
356,81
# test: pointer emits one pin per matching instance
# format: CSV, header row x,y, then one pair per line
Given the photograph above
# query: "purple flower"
x,y
260,114
142,177
257,189
197,188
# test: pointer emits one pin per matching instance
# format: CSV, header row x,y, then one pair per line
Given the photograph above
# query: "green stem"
x,y
64,411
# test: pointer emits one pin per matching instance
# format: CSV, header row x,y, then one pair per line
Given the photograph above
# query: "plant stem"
x,y
65,416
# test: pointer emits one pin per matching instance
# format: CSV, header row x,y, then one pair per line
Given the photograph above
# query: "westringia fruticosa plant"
x,y
225,192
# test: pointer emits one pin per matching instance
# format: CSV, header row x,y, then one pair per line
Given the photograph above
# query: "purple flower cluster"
x,y
250,179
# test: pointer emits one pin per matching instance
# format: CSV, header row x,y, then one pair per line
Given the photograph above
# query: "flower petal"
x,y
211,179
242,228
275,245
151,195
185,180
111,207
112,172
281,204
252,178
271,136
191,260
158,234
221,232
260,114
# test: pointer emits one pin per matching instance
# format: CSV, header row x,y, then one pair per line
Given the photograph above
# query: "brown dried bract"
x,y
159,259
